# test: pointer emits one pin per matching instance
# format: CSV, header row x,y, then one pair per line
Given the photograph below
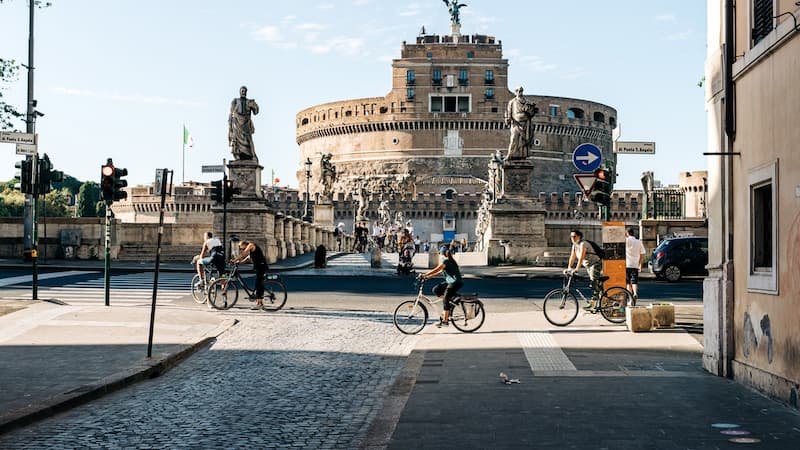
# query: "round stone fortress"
x,y
445,117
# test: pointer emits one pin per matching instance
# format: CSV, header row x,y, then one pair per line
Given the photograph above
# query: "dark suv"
x,y
676,257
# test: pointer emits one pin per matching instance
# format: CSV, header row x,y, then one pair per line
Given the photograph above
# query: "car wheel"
x,y
672,273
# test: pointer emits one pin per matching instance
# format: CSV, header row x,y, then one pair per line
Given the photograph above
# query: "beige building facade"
x,y
752,294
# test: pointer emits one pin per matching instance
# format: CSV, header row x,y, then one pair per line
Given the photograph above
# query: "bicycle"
x,y
561,307
200,289
224,291
411,316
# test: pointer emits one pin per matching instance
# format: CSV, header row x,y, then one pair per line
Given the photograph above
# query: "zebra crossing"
x,y
132,289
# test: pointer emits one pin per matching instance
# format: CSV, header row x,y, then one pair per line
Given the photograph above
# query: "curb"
x,y
144,370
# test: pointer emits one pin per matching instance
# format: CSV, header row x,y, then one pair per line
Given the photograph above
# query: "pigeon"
x,y
506,380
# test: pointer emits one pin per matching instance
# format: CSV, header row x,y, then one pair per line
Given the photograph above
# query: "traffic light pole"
x,y
35,229
29,214
225,213
107,264
164,173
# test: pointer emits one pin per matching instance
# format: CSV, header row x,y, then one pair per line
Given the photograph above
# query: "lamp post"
x,y
306,215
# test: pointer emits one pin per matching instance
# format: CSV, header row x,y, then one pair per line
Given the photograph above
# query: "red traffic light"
x,y
601,174
107,171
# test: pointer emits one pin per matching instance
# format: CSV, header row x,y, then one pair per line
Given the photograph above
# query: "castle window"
x,y
613,122
553,110
348,113
305,121
436,104
489,78
429,55
410,93
449,195
450,103
599,117
437,76
574,113
462,77
489,93
411,77
470,55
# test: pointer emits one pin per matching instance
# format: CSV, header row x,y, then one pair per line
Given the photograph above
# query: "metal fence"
x,y
667,204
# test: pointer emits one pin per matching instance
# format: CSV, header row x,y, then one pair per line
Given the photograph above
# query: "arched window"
x,y
575,113
613,122
449,195
305,121
599,117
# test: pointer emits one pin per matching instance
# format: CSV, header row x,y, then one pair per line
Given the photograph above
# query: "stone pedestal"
x,y
323,215
516,220
248,217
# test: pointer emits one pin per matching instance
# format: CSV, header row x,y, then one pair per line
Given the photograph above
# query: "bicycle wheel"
x,y
198,290
410,317
223,293
615,300
560,307
460,314
274,295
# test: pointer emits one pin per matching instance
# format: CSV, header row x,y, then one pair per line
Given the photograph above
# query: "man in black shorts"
x,y
634,258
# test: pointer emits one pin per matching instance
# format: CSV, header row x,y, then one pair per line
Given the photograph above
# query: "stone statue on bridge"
x,y
328,171
240,127
519,117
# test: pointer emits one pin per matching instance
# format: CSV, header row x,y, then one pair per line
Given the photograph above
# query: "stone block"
x,y
663,315
638,318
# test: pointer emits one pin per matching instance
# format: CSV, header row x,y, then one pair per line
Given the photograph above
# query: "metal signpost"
x,y
585,182
161,179
587,157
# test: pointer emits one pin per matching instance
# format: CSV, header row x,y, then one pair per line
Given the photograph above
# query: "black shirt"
x,y
257,257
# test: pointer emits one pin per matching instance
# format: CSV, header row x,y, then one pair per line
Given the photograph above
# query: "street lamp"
x,y
306,215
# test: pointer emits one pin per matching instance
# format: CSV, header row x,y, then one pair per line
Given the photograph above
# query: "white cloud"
x,y
326,6
409,13
682,36
344,45
666,18
268,33
578,72
309,26
78,92
360,2
132,98
536,64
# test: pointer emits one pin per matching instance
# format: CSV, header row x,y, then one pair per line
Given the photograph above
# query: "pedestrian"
x,y
252,251
583,254
417,243
452,282
338,233
634,258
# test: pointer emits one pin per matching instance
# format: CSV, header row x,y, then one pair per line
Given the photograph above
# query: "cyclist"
x,y
212,252
452,282
250,250
584,254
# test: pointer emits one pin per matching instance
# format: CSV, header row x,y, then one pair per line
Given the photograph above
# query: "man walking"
x,y
634,258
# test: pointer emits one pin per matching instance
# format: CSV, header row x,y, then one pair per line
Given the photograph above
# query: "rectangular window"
x,y
489,77
553,110
410,77
462,77
437,76
763,12
410,93
763,229
449,104
463,104
436,104
489,93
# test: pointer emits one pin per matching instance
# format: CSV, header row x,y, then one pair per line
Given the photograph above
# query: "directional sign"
x,y
636,148
587,157
26,149
213,169
11,137
585,182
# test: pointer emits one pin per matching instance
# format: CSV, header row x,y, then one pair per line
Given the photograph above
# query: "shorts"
x,y
207,260
632,275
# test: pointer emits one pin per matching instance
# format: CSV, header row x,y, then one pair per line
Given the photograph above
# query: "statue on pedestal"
x,y
519,115
454,8
240,127
384,213
328,176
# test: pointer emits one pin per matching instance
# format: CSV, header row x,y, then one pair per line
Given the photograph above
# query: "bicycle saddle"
x,y
603,278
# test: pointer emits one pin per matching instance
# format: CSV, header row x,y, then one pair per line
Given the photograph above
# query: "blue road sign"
x,y
587,157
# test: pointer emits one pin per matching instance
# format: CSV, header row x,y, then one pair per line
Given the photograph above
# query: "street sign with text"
x,y
635,148
587,157
213,169
26,149
12,137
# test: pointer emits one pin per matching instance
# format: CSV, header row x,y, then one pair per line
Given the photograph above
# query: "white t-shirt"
x,y
633,250
590,257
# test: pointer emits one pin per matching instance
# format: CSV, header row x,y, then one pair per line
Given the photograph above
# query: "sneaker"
x,y
442,324
588,306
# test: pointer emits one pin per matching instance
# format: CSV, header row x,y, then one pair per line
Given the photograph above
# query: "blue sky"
x,y
120,78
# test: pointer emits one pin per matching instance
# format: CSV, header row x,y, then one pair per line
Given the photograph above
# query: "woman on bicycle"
x,y
452,281
256,255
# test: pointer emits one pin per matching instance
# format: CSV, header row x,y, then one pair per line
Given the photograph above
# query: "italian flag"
x,y
188,142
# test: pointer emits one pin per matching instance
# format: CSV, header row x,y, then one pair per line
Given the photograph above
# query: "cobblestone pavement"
x,y
272,381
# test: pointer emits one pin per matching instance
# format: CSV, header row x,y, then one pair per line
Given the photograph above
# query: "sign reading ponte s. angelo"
x,y
635,148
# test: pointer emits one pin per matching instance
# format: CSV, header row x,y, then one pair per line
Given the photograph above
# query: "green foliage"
x,y
12,202
55,203
9,72
72,184
88,197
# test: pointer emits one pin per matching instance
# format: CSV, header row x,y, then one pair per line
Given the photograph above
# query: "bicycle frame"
x,y
235,276
568,287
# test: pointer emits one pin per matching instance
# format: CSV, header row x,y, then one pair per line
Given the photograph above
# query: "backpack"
x,y
336,232
599,251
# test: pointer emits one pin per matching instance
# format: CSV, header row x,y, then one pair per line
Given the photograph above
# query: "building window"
x,y
429,55
437,76
763,229
410,93
489,93
450,103
463,79
470,55
574,113
763,12
411,77
436,104
599,117
489,78
553,110
449,195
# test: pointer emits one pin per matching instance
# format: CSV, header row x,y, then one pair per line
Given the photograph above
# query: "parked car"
x,y
676,257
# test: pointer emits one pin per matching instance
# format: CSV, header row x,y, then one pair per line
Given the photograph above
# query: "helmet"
x,y
443,249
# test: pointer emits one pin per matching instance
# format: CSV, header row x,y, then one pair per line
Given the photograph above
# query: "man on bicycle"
x,y
584,254
250,250
212,252
452,282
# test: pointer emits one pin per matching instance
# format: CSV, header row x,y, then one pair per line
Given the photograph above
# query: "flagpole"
x,y
183,156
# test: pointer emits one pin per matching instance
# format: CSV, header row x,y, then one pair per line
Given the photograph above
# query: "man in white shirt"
x,y
212,247
634,258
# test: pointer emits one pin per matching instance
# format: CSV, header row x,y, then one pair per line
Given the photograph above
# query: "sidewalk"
x,y
56,357
590,385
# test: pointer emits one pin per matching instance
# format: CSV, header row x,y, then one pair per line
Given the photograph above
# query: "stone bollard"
x,y
375,258
638,318
663,315
320,257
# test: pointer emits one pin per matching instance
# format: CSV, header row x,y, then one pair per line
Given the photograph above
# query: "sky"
x,y
119,79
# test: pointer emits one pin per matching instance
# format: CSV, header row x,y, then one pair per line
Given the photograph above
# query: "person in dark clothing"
x,y
452,282
252,251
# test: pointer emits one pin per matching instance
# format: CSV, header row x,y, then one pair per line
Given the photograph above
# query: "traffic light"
x,y
119,183
23,178
107,181
216,191
230,191
601,189
47,175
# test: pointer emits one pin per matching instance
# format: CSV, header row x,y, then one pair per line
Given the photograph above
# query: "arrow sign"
x,y
585,182
587,157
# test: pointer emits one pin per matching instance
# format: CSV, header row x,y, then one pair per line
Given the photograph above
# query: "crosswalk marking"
x,y
543,352
44,276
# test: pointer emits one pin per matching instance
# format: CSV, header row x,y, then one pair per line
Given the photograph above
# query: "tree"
x,y
88,196
72,184
55,203
12,202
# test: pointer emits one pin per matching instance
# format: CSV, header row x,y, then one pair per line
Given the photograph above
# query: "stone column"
x,y
280,239
298,236
288,236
